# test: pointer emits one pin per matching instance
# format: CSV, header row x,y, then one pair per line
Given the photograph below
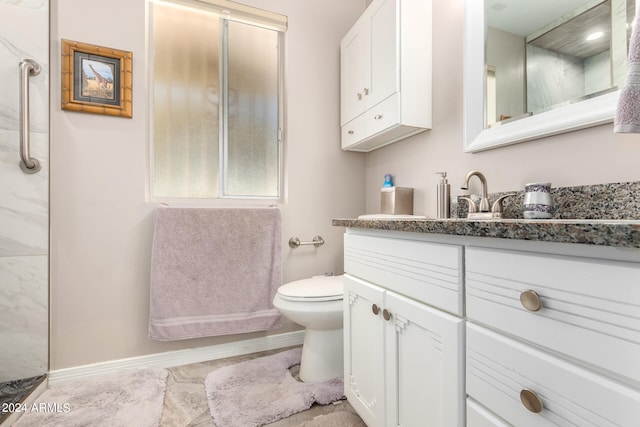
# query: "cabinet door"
x,y
425,365
383,28
364,349
355,71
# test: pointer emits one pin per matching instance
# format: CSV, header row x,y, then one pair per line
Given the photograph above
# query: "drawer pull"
x,y
386,314
530,300
375,309
350,132
377,116
531,401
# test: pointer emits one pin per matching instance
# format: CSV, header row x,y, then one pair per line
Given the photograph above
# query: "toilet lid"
x,y
317,288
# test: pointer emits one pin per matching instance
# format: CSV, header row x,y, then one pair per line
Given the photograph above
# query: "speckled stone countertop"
x,y
608,215
620,233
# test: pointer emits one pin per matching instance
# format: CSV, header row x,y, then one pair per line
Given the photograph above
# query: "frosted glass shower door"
x,y
24,204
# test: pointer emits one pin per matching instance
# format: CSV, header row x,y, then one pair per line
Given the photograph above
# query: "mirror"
x,y
530,72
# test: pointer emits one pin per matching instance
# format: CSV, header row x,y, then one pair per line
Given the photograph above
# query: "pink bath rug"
x,y
262,391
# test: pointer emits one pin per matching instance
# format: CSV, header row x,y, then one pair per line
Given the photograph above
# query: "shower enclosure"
x,y
24,197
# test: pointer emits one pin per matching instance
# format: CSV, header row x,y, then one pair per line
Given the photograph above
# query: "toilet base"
x,y
322,355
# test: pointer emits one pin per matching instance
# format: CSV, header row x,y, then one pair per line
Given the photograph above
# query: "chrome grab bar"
x,y
294,242
28,164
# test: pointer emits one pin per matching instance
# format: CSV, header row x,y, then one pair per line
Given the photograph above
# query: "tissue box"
x,y
396,201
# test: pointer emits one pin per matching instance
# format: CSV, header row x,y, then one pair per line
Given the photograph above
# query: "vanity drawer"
x,y
499,369
383,115
430,273
589,308
478,416
377,126
354,131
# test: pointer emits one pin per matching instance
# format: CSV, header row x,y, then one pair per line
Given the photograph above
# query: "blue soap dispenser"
x,y
388,181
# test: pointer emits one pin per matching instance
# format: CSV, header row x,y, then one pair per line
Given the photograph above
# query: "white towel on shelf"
x,y
627,118
214,271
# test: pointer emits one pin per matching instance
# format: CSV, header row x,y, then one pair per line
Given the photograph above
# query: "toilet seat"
x,y
317,288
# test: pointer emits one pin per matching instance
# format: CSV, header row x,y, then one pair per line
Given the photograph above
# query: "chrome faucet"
x,y
482,211
484,201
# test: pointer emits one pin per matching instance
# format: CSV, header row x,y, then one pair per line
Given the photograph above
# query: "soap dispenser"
x,y
443,192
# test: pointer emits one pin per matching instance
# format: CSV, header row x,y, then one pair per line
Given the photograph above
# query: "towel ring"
x,y
317,241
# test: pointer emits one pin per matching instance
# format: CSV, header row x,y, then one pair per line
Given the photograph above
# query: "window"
x,y
217,102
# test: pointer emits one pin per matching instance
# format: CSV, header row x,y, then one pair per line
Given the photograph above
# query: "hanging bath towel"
x,y
627,119
214,271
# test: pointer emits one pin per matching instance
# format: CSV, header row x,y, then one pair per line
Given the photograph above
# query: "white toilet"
x,y
316,304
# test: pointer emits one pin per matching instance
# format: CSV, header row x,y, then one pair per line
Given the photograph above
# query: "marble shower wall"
x,y
24,204
552,78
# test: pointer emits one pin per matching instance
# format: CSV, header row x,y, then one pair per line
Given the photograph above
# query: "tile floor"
x,y
185,403
15,391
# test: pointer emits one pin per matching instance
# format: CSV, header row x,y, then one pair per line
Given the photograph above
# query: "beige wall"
x,y
100,222
591,156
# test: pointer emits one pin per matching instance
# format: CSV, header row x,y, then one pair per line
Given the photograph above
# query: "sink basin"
x,y
393,217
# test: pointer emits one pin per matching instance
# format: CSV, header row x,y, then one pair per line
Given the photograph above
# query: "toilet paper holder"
x,y
317,241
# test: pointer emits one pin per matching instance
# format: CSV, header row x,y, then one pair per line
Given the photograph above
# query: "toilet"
x,y
316,304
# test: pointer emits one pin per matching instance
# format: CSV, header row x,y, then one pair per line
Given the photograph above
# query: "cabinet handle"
x,y
359,96
530,300
350,132
386,314
375,309
366,91
377,116
531,400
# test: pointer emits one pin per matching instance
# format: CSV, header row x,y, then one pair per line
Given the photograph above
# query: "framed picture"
x,y
96,79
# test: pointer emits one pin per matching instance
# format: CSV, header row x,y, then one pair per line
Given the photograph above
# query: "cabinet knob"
x,y
386,314
375,309
366,91
350,132
531,400
377,116
530,300
359,96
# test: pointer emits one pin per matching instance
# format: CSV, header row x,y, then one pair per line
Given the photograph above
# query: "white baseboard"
x,y
178,357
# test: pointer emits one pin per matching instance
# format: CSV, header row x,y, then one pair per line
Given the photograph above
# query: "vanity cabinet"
x,y
453,330
386,74
552,339
404,359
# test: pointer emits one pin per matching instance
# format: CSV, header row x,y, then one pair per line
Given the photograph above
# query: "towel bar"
x,y
294,242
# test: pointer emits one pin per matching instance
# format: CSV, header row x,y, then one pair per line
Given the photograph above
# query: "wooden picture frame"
x,y
96,79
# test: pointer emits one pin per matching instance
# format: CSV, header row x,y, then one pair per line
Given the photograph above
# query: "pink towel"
x,y
214,271
627,119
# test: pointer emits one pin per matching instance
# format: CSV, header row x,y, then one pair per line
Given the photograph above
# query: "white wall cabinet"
x,y
404,359
386,74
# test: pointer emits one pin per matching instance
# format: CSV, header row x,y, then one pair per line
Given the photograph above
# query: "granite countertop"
x,y
618,233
